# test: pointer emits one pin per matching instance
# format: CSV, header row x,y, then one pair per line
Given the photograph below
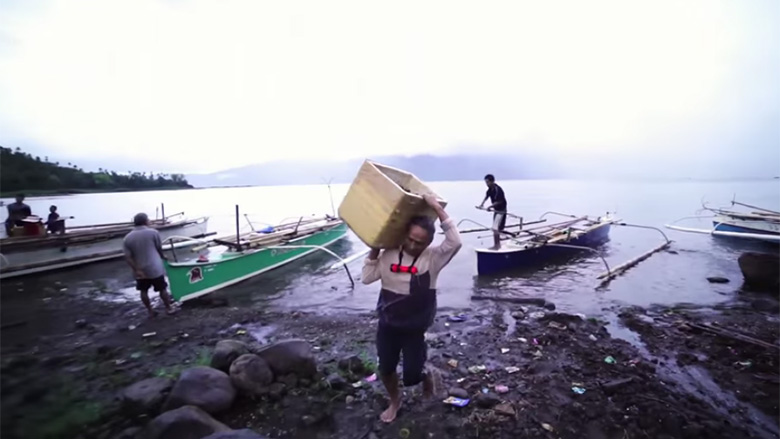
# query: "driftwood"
x,y
727,333
522,300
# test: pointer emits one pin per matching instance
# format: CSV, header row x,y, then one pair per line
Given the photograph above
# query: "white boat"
x,y
23,255
760,224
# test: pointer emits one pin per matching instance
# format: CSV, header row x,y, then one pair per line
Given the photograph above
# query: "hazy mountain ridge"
x,y
426,167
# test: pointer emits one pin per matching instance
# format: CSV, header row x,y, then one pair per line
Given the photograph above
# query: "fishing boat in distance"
x,y
759,224
37,251
251,254
536,245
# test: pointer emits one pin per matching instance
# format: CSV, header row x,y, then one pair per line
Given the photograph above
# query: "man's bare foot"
x,y
494,248
152,314
389,415
171,310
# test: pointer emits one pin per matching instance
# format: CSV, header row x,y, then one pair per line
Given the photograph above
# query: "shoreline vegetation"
x,y
20,172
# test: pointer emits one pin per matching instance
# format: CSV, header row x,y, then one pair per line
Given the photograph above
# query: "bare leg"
x,y
496,241
166,299
147,303
391,384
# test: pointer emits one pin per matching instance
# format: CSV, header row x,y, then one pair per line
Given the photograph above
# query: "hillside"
x,y
21,172
426,167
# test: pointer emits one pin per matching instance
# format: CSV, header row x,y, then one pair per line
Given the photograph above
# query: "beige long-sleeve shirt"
x,y
432,260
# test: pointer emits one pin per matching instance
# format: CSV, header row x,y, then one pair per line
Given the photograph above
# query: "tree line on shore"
x,y
20,171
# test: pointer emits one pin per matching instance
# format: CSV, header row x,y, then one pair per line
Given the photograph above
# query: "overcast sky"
x,y
195,86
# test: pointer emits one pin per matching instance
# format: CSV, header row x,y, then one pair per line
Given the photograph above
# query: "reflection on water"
x,y
664,278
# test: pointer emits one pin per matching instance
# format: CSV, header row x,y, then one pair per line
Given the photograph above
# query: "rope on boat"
x,y
318,247
645,227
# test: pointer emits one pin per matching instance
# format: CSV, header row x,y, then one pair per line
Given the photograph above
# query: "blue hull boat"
x,y
534,247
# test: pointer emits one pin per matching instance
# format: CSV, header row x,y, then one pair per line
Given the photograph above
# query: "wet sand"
x,y
65,356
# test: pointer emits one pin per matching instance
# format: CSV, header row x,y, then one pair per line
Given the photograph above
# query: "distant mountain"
x,y
426,167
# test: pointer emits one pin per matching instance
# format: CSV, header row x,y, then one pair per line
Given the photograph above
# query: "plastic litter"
x,y
131,327
485,390
504,350
536,315
557,325
523,340
149,334
547,427
477,369
536,342
241,332
371,378
404,433
578,390
459,402
744,363
457,318
453,362
538,354
357,384
120,362
592,337
511,369
136,355
460,380
610,360
502,389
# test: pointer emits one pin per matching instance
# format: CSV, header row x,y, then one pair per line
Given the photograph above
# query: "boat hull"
x,y
41,258
758,227
531,255
189,280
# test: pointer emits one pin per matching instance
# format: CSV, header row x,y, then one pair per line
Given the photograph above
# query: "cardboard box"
x,y
381,201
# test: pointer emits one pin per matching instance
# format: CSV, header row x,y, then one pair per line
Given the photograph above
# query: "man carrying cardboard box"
x,y
407,301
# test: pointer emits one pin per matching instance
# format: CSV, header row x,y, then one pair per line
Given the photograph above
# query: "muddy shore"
x,y
648,373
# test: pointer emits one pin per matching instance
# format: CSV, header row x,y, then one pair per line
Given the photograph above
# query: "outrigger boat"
x,y
532,246
36,251
760,224
247,255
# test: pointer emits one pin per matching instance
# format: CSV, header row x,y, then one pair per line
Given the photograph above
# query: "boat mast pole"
x,y
162,209
238,231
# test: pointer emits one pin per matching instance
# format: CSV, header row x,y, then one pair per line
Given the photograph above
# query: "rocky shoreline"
x,y
96,369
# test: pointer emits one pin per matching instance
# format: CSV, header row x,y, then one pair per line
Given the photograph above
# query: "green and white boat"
x,y
252,254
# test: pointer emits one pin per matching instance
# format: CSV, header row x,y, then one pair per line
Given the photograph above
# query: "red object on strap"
x,y
396,268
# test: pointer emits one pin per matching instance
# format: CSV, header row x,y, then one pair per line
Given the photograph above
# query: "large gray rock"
x,y
236,434
147,396
290,356
204,387
186,422
226,352
251,374
761,270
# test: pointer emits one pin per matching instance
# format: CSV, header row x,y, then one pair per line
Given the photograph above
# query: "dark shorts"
x,y
499,221
390,342
158,283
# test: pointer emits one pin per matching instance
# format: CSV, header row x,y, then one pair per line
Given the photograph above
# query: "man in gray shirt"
x,y
143,252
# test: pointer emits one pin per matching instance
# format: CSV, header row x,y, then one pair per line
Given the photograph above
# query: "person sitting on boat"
x,y
55,224
17,212
407,301
498,206
144,254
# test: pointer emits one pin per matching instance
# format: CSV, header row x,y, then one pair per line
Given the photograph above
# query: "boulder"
x,y
761,271
717,280
290,356
487,400
226,352
186,422
250,374
353,363
458,393
236,434
147,396
204,387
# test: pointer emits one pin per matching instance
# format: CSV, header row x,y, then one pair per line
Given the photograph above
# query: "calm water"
x,y
665,278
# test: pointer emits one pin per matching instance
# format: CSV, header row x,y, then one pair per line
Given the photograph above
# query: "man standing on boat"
x,y
17,211
144,254
498,206
407,301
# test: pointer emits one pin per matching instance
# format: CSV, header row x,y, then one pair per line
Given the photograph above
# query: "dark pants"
x,y
390,342
158,283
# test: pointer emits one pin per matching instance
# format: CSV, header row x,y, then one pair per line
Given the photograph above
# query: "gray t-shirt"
x,y
141,245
